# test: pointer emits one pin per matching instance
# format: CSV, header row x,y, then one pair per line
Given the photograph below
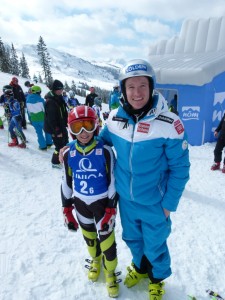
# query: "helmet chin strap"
x,y
137,113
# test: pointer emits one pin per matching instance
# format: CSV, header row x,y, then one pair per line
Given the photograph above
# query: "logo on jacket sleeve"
x,y
178,126
143,127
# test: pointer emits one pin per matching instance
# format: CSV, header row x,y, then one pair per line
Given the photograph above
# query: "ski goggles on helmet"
x,y
77,126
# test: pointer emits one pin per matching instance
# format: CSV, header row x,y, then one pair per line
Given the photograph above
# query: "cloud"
x,y
91,29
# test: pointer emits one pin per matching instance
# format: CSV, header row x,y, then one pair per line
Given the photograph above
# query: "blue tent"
x,y
193,67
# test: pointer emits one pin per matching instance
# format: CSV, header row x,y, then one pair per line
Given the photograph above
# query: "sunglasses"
x,y
87,125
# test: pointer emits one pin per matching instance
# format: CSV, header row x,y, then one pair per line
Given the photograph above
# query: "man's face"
x,y
137,91
15,81
58,92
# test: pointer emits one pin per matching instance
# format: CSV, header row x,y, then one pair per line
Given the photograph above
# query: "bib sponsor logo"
x,y
98,152
143,127
73,153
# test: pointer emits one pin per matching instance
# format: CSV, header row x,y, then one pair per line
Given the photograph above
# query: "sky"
x,y
41,259
93,30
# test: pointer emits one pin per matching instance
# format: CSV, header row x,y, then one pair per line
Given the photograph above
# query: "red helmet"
x,y
82,113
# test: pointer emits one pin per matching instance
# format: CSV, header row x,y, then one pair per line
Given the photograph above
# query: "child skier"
x,y
88,185
36,110
72,101
13,114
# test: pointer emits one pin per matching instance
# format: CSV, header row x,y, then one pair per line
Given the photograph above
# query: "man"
x,y
55,121
89,101
151,172
220,133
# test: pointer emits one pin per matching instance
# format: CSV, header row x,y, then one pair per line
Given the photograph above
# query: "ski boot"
x,y
223,170
94,268
112,283
14,143
156,291
215,166
133,277
22,145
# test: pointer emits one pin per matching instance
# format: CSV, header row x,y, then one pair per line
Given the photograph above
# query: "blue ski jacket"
x,y
152,155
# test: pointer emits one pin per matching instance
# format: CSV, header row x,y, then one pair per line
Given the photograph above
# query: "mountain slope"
x,y
71,67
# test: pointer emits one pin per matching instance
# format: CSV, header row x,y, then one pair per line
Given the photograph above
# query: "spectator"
x,y
114,99
20,97
173,105
55,121
65,97
13,114
72,101
220,134
90,97
98,107
36,110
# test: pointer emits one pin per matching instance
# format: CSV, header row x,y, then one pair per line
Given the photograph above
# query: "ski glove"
x,y
107,223
69,219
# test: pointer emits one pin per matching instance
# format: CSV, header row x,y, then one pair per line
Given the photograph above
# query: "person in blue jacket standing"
x,y
35,110
14,117
151,172
114,100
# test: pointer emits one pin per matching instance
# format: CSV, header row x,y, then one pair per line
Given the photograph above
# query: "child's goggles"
x,y
77,126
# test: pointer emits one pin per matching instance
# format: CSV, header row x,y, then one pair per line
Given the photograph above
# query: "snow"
x,y
41,259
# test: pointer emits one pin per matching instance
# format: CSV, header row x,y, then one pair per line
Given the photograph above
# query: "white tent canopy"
x,y
195,57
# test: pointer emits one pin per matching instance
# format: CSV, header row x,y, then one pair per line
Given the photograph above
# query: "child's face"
x,y
84,137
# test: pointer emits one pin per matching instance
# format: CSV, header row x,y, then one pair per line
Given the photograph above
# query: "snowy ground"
x,y
40,259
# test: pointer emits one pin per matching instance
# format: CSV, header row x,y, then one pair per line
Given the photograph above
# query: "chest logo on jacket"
x,y
179,127
143,127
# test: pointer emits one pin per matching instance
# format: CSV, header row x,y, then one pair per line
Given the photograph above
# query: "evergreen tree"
x,y
73,87
24,70
45,61
5,61
2,55
66,87
40,78
15,69
6,67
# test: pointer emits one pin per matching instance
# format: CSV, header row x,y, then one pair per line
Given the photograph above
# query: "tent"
x,y
192,66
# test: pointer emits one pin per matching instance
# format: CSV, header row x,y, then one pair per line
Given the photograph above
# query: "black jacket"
x,y
221,127
55,121
18,93
90,99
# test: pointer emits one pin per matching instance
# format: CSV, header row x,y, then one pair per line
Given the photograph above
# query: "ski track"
x,y
40,259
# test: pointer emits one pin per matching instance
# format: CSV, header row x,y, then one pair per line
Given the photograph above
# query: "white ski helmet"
x,y
72,94
137,67
134,68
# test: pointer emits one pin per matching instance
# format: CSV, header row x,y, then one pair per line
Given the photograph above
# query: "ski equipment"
x,y
214,295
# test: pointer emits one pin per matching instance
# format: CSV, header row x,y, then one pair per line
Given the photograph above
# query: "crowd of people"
x,y
144,175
